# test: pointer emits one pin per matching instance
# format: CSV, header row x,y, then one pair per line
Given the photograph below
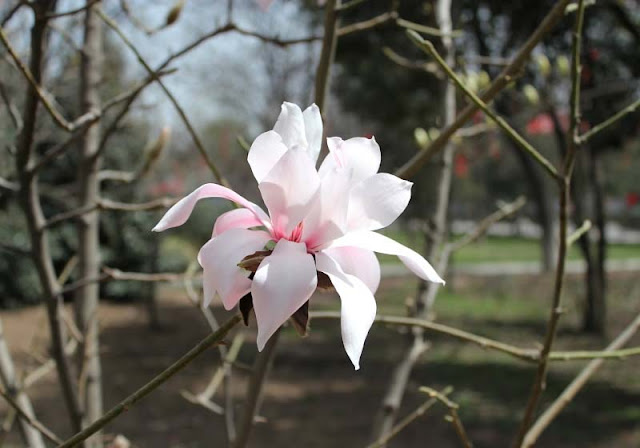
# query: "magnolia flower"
x,y
318,221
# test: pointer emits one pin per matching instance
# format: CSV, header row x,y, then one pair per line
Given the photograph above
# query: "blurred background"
x,y
231,88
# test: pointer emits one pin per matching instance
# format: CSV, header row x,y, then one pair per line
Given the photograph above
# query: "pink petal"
x,y
358,309
219,259
328,216
379,243
264,153
361,263
180,212
283,282
313,130
289,190
361,156
240,218
290,126
377,201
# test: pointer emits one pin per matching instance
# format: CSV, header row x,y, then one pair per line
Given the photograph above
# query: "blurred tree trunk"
x,y
86,300
435,235
31,436
595,312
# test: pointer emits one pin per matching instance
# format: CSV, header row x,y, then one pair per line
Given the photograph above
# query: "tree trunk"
x,y
595,312
86,300
32,437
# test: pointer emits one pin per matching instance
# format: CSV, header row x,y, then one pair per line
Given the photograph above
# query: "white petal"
x,y
358,310
219,259
377,201
264,153
240,218
361,156
290,126
289,190
180,212
283,282
313,130
362,263
379,243
328,216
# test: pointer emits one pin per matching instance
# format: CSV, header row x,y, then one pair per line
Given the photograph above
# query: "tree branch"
x,y
576,385
428,48
126,404
411,167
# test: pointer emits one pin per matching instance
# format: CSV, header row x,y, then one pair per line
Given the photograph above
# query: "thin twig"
x,y
196,139
253,399
453,413
529,355
609,121
482,227
33,422
126,404
411,167
539,382
576,385
428,30
406,421
577,234
381,19
428,48
71,12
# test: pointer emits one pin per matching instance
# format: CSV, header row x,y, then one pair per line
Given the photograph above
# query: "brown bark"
x,y
30,203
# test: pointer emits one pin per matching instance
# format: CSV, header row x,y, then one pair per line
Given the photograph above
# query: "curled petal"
x,y
240,218
264,153
377,201
359,155
289,190
379,243
290,126
313,130
358,309
361,263
283,282
219,259
180,212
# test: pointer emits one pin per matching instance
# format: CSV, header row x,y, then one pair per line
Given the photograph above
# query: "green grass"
x,y
497,249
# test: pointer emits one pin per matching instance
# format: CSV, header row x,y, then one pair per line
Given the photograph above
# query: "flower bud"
x,y
175,11
562,64
531,93
483,79
542,61
421,137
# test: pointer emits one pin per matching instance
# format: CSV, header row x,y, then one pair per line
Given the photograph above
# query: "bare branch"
x,y
539,382
211,340
576,385
453,413
428,48
32,421
196,139
410,168
422,29
609,121
577,234
71,12
413,416
428,67
381,19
